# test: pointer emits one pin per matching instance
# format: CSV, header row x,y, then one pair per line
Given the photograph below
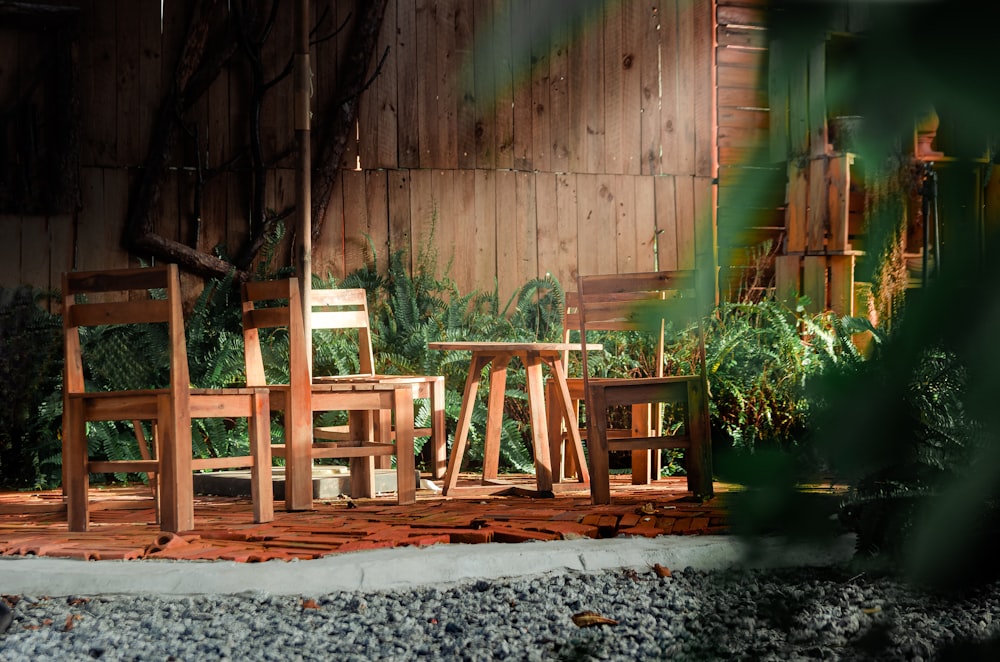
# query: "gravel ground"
x,y
801,614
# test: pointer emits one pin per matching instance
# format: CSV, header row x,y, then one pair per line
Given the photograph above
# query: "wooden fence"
x,y
513,137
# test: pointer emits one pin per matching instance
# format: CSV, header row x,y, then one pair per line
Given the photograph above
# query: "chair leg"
x,y
597,439
406,486
439,441
362,468
261,484
382,424
176,484
699,454
140,439
76,480
557,457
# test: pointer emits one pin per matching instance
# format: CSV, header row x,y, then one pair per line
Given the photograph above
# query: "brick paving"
x,y
123,526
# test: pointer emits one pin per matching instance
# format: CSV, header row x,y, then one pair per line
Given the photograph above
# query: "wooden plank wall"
x,y
751,181
517,137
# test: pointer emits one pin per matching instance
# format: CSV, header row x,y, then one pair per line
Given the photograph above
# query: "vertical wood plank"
x,y
615,151
445,87
626,224
377,106
567,232
650,131
686,242
377,206
671,128
798,108
546,206
816,217
704,73
787,278
541,111
35,251
706,235
61,240
347,15
485,87
10,248
796,211
644,220
446,223
520,53
838,192
423,213
407,77
505,224
463,71
559,100
594,98
527,225
777,83
399,205
666,223
328,259
817,100
126,68
842,284
598,239
576,133
492,204
355,220
427,76
281,195
814,281
503,84
211,232
98,89
150,73
686,88
631,62
462,186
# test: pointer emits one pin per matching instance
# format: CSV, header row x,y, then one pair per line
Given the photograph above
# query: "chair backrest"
x,y
274,304
345,310
120,297
630,302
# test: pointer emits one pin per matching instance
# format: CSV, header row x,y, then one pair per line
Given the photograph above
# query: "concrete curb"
x,y
399,568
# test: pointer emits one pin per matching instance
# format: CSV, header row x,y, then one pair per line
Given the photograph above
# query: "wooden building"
x,y
512,136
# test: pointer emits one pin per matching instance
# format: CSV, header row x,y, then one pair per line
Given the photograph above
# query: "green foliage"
x,y
30,385
410,309
761,357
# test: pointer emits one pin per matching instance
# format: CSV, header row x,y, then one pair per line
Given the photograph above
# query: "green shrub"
x,y
30,389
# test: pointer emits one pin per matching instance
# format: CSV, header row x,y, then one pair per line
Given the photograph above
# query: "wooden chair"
x,y
640,302
277,304
122,297
346,310
646,420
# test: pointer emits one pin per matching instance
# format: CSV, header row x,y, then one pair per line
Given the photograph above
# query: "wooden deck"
x,y
34,523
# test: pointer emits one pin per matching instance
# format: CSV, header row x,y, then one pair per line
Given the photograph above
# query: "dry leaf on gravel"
x,y
309,604
586,619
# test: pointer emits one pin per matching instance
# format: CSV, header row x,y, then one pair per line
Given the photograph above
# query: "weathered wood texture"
x,y
511,135
751,192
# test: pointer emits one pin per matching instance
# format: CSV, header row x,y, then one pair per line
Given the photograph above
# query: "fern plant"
x,y
30,387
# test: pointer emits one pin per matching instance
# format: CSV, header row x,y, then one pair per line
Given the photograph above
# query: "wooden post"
x,y
842,284
814,281
303,172
787,274
838,191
